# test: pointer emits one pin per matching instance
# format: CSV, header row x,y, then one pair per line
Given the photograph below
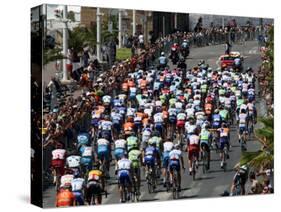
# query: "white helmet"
x,y
162,53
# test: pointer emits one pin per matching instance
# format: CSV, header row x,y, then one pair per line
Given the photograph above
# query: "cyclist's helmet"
x,y
162,54
216,111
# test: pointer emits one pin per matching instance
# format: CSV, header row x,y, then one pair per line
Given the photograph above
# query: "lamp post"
x,y
134,22
98,35
120,28
65,42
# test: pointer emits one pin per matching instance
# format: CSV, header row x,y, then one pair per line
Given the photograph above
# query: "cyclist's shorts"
x,y
117,126
103,151
158,127
86,161
193,151
106,134
205,145
174,164
165,159
138,124
251,98
180,123
132,97
118,153
149,161
95,122
78,197
93,188
223,142
242,129
172,119
57,163
124,178
216,125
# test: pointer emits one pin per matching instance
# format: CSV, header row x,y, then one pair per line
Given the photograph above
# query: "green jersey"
x,y
134,156
205,134
224,114
204,88
172,101
132,141
221,91
240,102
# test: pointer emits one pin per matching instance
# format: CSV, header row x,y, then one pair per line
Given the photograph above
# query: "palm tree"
x,y
50,55
264,157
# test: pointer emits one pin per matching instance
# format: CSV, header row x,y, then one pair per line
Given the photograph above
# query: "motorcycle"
x,y
174,56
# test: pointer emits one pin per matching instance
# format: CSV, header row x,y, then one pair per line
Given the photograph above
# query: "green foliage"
x,y
264,157
71,16
81,36
50,55
123,54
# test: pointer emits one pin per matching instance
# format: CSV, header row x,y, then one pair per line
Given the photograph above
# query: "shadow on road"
x,y
148,200
205,178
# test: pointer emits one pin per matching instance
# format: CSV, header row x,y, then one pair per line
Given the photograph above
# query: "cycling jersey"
x,y
105,125
94,175
77,184
132,142
73,161
86,151
120,143
134,157
224,132
158,118
102,141
66,180
64,198
181,116
175,154
168,146
242,119
58,154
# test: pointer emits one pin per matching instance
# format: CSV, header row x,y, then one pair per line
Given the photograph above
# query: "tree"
x,y
50,55
264,157
71,16
82,36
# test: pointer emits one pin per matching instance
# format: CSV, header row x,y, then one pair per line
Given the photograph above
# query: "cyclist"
x,y
205,139
135,157
77,186
65,197
224,140
193,149
175,163
58,161
239,180
124,172
95,185
73,162
120,147
167,148
158,122
243,118
150,158
103,152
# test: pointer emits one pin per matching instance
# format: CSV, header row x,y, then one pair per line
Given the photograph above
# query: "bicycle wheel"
x,y
224,159
193,169
175,184
204,164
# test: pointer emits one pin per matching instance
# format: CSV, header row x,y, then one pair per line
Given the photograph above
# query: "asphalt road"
x,y
216,181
